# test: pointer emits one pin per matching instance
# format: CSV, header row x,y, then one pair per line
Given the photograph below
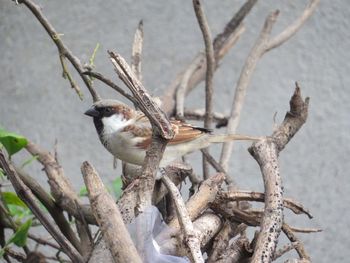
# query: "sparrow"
x,y
127,133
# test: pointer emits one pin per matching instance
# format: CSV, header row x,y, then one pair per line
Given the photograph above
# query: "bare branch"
x,y
191,239
297,208
137,51
222,44
200,200
305,230
232,26
63,50
299,248
182,88
199,114
242,85
109,218
284,250
110,83
55,211
27,196
266,153
292,29
220,243
61,188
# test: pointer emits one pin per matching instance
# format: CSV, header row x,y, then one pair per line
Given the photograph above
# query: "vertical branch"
x,y
266,153
210,60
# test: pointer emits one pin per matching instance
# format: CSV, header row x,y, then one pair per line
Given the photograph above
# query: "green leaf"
x,y
19,212
29,161
2,252
20,237
117,187
11,198
12,141
83,191
2,174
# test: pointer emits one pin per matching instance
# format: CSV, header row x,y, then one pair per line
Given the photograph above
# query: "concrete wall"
x,y
37,102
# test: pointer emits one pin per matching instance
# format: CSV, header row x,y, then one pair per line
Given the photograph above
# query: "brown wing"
x,y
184,132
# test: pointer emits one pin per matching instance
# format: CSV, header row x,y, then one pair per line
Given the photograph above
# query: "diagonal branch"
x,y
292,29
61,188
191,239
109,218
64,51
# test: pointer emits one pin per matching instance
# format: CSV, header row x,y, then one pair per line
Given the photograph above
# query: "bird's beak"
x,y
92,112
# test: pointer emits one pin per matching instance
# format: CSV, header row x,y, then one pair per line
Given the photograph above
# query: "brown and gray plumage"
x,y
126,134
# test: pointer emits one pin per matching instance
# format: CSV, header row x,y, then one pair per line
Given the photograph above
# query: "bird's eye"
x,y
108,110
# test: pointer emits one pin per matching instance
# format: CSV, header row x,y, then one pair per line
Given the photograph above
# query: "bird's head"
x,y
110,115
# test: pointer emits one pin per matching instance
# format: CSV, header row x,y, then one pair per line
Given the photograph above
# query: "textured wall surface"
x,y
37,102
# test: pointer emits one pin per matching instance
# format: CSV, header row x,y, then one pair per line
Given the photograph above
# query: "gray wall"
x,y
37,102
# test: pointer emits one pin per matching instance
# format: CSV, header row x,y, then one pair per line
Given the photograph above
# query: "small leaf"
x,y
2,174
29,161
19,212
2,252
117,187
12,141
83,191
11,198
20,237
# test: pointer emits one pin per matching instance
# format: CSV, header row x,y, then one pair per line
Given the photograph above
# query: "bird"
x,y
127,133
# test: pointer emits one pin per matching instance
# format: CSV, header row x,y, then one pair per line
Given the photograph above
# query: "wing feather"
x,y
184,132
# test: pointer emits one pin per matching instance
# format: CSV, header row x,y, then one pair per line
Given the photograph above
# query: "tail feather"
x,y
219,138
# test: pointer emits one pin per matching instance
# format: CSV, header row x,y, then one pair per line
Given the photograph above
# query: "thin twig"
x,y
283,250
305,230
191,240
293,238
294,27
63,50
199,114
297,208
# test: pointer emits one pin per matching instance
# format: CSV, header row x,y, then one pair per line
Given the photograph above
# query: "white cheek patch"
x,y
114,123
